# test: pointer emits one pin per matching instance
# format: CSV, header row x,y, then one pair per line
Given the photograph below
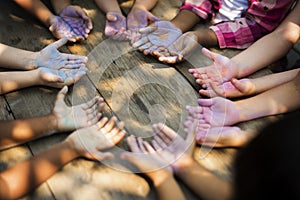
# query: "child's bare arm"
x,y
270,47
38,9
108,6
185,20
28,174
58,5
62,119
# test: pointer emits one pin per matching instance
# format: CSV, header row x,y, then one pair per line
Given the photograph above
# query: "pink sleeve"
x,y
203,8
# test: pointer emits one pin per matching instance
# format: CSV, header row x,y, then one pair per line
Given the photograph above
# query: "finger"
x,y
72,57
170,133
133,145
152,17
110,124
140,42
111,17
101,123
118,137
145,46
169,59
141,145
207,93
150,50
148,147
160,142
205,102
148,29
156,146
116,129
90,103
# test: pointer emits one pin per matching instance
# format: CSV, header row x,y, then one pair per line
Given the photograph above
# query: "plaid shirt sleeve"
x,y
203,8
260,18
268,13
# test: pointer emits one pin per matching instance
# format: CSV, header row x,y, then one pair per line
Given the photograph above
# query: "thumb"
x,y
205,102
98,155
53,27
62,93
148,29
152,17
211,55
238,84
60,42
111,17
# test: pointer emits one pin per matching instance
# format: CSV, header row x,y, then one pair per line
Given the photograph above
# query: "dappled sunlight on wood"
x,y
210,159
87,180
10,157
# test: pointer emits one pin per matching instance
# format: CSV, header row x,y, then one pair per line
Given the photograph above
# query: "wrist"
x,y
70,149
160,176
70,141
60,6
185,20
36,77
243,111
139,6
50,20
28,60
53,121
187,163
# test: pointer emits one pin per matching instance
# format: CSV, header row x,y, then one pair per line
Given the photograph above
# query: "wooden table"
x,y
137,89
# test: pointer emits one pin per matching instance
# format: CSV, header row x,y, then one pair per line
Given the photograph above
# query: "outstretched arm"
x,y
140,14
278,100
48,57
59,5
28,174
62,119
38,9
246,86
270,47
108,6
154,166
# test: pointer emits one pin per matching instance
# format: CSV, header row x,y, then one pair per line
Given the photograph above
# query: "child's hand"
x,y
214,112
177,151
59,77
78,20
115,25
139,17
88,142
222,70
167,149
50,57
147,159
161,34
222,136
61,29
230,89
79,116
136,19
180,49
